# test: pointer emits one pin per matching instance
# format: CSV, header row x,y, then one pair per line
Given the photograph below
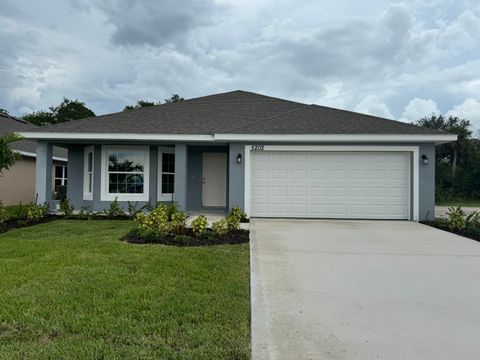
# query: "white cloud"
x,y
469,110
374,105
418,108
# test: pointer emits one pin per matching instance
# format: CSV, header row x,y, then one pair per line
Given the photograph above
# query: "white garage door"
x,y
361,185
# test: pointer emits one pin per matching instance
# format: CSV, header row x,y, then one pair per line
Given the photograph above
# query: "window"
x,y
125,173
60,178
166,170
88,174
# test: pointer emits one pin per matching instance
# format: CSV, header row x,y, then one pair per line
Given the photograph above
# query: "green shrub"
x,y
114,210
177,222
220,227
85,213
37,212
238,213
473,220
199,225
66,207
456,218
3,213
156,220
233,222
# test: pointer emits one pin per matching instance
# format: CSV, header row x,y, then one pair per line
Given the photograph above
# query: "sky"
x,y
400,60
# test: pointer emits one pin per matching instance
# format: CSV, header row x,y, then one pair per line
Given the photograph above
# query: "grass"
x,y
460,202
69,289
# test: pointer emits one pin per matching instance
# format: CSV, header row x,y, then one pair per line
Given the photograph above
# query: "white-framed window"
x,y
125,173
60,178
88,173
166,173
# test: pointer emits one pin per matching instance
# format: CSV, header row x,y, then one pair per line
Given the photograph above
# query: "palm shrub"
x,y
456,218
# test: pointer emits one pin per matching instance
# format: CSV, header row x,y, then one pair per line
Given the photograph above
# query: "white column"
x,y
181,175
43,173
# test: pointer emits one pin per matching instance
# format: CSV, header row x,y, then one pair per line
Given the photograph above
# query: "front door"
x,y
214,176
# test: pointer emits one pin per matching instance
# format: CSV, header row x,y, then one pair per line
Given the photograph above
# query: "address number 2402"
x,y
257,147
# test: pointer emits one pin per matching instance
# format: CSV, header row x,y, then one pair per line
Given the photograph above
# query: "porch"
x,y
198,177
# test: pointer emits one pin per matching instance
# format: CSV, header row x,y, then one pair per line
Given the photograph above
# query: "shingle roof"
x,y
236,112
10,124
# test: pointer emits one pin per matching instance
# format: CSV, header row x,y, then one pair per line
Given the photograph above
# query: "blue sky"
x,y
400,60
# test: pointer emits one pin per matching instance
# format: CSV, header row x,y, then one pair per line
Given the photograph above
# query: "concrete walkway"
x,y
363,290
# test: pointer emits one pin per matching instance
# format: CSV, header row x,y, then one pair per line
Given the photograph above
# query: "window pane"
x,y
168,162
112,162
128,161
167,183
90,162
58,171
65,174
58,182
90,182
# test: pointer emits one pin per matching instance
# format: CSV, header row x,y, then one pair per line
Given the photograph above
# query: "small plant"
x,y
178,222
473,220
132,209
172,209
233,222
220,227
114,210
85,213
66,207
456,218
238,213
3,213
37,212
199,225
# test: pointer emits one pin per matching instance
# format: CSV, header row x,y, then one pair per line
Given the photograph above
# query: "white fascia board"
x,y
30,154
438,139
110,136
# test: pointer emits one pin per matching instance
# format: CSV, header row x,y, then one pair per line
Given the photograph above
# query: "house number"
x,y
258,147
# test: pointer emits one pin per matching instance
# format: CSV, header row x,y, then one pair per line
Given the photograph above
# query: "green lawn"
x,y
70,289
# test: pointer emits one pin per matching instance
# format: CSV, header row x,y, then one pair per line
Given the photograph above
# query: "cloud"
x,y
418,108
374,105
469,109
152,22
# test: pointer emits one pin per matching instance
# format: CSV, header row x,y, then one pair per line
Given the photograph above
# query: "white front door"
x,y
214,176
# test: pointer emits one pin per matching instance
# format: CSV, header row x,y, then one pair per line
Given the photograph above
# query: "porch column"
x,y
236,177
180,182
43,173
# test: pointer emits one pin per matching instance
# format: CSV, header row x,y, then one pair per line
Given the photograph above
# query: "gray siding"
x,y
188,177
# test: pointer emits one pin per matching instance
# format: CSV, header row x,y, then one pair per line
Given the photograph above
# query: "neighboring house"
x,y
18,183
274,158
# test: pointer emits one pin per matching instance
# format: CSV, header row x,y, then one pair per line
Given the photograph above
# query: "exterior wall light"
x,y
239,158
425,159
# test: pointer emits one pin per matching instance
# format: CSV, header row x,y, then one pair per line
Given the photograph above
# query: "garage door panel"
x,y
330,184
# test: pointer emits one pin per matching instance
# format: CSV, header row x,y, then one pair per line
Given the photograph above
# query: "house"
x,y
272,157
18,183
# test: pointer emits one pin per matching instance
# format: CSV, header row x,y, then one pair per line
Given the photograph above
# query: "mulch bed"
x,y
15,224
189,239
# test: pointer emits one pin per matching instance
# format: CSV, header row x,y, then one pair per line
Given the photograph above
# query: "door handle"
x,y
203,180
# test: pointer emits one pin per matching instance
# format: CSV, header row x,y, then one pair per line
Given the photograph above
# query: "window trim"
x,y
86,194
161,196
63,178
104,194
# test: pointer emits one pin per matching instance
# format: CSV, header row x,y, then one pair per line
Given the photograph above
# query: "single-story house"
x,y
17,184
272,157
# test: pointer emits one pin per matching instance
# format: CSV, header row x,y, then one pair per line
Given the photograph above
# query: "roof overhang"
x,y
267,138
34,155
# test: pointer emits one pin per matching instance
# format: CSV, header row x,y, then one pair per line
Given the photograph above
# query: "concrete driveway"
x,y
363,290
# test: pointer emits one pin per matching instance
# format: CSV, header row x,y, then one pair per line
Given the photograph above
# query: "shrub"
x,y
233,222
177,222
114,210
37,212
456,218
85,213
473,220
66,207
156,220
237,212
199,225
220,227
3,213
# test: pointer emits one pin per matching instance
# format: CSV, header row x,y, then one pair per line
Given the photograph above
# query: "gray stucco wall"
x,y
189,176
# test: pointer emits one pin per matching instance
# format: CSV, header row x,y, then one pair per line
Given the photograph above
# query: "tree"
x,y
454,125
173,98
70,110
40,118
66,111
7,155
3,112
140,104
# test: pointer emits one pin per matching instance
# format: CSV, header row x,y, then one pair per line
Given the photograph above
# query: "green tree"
x,y
139,104
40,118
3,112
70,110
67,110
7,155
173,98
